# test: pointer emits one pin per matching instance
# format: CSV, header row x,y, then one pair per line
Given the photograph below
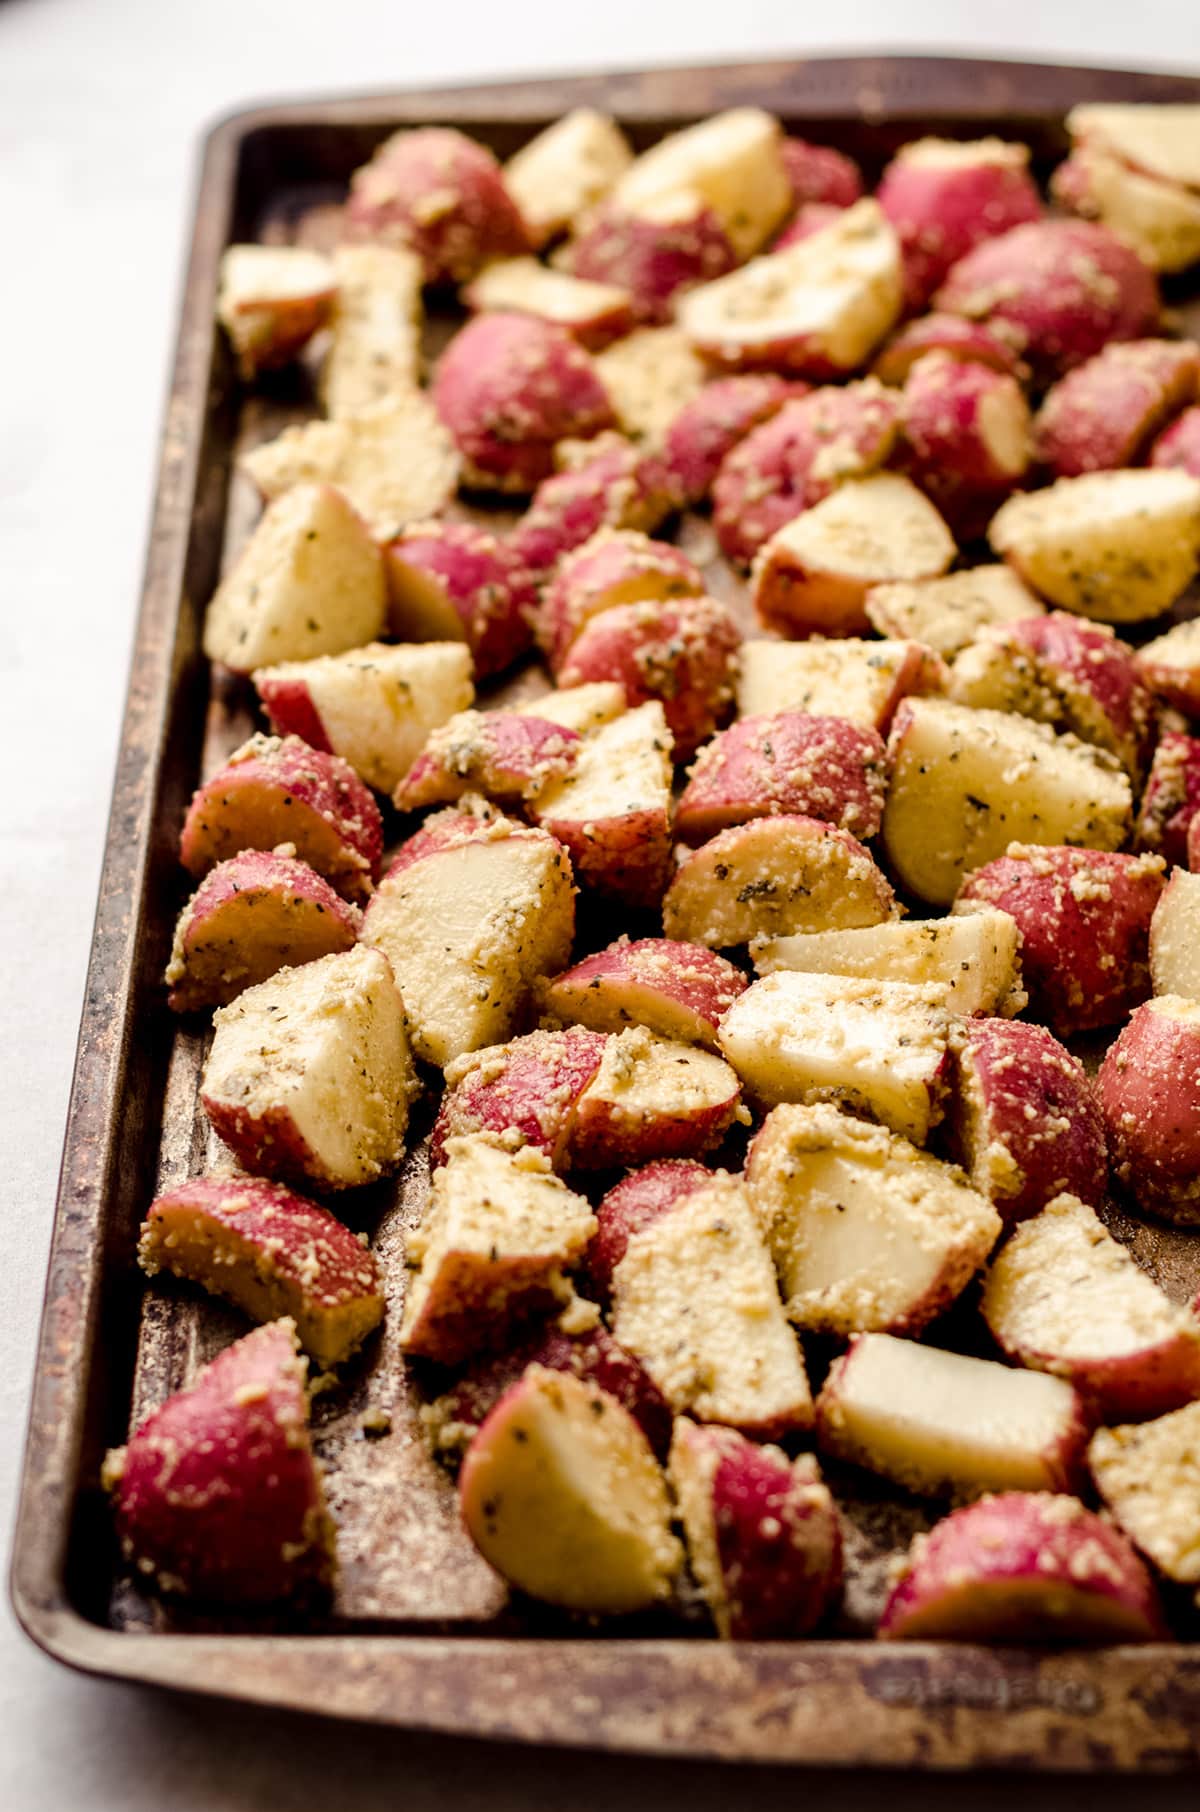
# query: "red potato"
x,y
270,1252
1084,917
943,197
498,1234
676,990
258,912
650,375
583,709
681,653
455,581
1024,1118
594,312
1064,1296
816,310
1062,289
672,243
216,1495
947,614
733,161
1178,447
632,1204
508,387
812,577
812,218
818,173
1134,168
878,1048
505,755
860,681
694,1298
792,461
442,195
1023,1567
1149,1093
616,487
967,438
819,767
970,341
374,707
974,957
1148,1475
762,1533
770,877
309,581
945,1425
1170,666
563,172
594,1357
271,300
1101,414
709,426
563,1497
616,566
309,1077
1174,939
652,1098
473,909
375,338
527,1090
868,1234
613,814
276,790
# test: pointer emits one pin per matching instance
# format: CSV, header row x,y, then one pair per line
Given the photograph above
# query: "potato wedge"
x,y
613,813
1148,1475
651,1098
974,957
375,347
563,172
271,300
676,990
526,1091
733,160
860,681
947,614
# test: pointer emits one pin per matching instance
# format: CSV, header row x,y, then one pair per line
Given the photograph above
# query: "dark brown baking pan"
x,y
420,1632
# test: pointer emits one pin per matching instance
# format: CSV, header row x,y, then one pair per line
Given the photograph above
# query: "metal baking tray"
x,y
421,1633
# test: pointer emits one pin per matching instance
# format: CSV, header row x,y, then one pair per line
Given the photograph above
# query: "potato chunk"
x,y
613,812
375,350
733,161
566,170
860,681
1149,1477
272,299
947,613
650,375
975,958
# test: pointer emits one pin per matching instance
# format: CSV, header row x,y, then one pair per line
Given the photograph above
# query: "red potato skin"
x,y
629,979
620,488
507,388
946,402
810,219
818,173
626,858
1175,686
961,1579
818,767
599,576
217,1496
632,1204
796,458
291,711
969,341
265,1142
449,830
941,214
483,1315
265,796
709,426
1133,1387
1084,918
1061,288
214,919
594,1356
1148,1087
532,1089
1171,798
514,755
442,195
655,260
1179,445
606,1140
799,603
1026,1080
679,652
482,579
1099,417
1095,672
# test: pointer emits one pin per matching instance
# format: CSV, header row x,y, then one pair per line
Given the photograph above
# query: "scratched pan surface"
x,y
421,1632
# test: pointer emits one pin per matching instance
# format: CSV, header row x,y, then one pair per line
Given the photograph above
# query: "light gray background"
x,y
101,105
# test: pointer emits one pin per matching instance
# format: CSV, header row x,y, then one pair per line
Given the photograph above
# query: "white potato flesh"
x,y
643,1080
1148,1474
965,784
322,1047
733,160
623,768
1114,546
1173,657
869,530
1163,140
848,678
695,1299
526,286
948,612
271,298
947,1425
879,1047
975,957
375,346
963,154
1175,937
834,295
1159,219
308,582
867,1233
563,172
579,708
394,461
468,930
649,376
379,704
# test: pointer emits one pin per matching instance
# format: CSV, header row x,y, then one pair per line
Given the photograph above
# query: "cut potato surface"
x,y
639,1198
652,1098
525,1091
562,1495
566,170
860,681
309,1074
593,312
499,1230
1175,937
1163,141
694,1297
1159,219
947,613
579,708
649,376
613,812
1148,1087
974,957
1170,665
868,1234
271,300
945,1425
676,990
966,784
734,162
375,349
1149,1477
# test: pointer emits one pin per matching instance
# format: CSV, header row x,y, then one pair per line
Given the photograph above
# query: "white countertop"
x,y
101,105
